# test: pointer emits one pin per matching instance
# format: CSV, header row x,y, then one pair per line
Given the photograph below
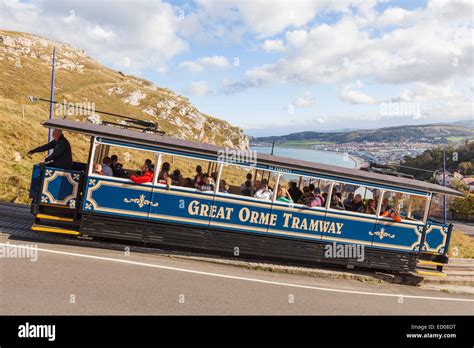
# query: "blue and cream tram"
x,y
223,221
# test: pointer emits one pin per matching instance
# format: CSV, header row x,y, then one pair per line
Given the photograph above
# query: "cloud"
x,y
419,51
199,64
304,101
198,88
145,32
273,46
352,93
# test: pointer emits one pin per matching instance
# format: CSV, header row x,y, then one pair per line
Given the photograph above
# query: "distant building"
x,y
469,182
450,177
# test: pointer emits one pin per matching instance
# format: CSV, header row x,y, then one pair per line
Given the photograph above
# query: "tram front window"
x,y
403,206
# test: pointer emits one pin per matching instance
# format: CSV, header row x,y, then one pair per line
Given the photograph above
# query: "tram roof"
x,y
202,148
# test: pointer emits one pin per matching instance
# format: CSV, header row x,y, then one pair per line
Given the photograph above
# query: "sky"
x,y
278,67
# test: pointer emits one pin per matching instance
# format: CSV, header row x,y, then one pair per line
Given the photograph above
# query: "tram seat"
x,y
234,189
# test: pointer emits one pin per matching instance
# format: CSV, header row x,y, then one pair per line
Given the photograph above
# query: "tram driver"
x,y
61,157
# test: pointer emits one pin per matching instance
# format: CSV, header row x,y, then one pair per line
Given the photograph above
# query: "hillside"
x,y
25,68
434,133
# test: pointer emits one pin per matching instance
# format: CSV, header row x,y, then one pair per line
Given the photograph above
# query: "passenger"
x,y
176,177
294,191
283,195
348,201
113,164
198,171
208,183
146,173
385,206
357,204
248,178
318,200
307,197
336,201
198,181
98,169
188,182
120,172
247,190
370,207
61,157
106,166
223,187
165,171
264,191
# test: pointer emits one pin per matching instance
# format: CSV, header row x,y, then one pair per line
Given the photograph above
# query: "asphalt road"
x,y
68,279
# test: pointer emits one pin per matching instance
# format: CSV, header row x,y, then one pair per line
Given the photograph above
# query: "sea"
x,y
325,157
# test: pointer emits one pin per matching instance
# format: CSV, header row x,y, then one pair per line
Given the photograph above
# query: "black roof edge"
x,y
209,149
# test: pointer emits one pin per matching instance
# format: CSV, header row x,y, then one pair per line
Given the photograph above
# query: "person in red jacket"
x,y
146,175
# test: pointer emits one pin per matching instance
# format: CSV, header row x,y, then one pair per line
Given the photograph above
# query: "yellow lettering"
x,y
332,228
229,211
193,208
287,217
204,210
244,214
254,217
313,225
339,227
212,212
295,222
304,224
273,219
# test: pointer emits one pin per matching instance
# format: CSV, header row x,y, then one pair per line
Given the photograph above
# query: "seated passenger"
x,y
247,189
357,204
223,187
248,178
348,201
198,181
188,182
370,207
208,183
318,200
164,172
146,173
283,195
385,206
294,191
176,177
307,197
264,191
106,169
336,201
98,169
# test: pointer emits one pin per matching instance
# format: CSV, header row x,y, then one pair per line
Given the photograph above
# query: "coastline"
x,y
359,162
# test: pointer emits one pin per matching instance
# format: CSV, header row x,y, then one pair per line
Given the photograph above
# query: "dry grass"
x,y
461,245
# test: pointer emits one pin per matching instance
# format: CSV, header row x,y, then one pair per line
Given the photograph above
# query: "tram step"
x,y
431,273
54,218
430,263
44,228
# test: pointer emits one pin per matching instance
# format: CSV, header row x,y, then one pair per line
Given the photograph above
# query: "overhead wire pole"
x,y
444,184
52,94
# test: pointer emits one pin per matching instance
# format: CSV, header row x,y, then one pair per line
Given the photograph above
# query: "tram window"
x,y
128,161
436,212
247,181
356,198
403,205
303,190
187,172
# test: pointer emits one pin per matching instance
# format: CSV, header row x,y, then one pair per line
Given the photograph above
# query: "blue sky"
x,y
276,67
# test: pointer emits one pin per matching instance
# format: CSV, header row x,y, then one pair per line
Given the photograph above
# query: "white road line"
x,y
255,280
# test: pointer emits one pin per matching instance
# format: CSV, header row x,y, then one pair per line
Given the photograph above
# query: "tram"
x,y
80,202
